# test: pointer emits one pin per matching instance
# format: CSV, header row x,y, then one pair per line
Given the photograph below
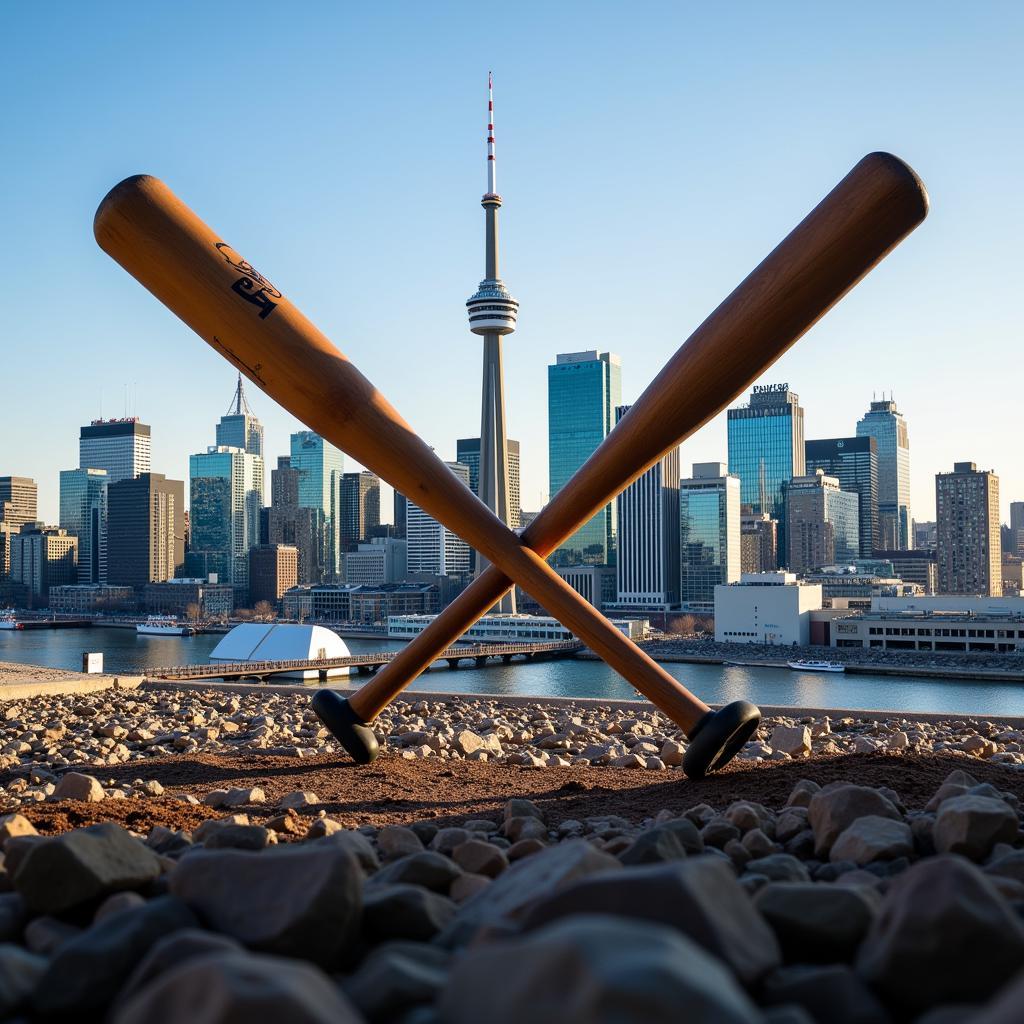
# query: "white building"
x,y
258,641
433,548
765,608
498,629
384,560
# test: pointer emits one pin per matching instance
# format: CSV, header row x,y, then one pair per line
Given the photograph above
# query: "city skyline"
x,y
329,240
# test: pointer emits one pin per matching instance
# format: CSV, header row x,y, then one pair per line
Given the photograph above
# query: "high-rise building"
x,y
360,507
401,511
853,461
432,547
239,428
647,555
121,447
290,523
383,560
583,390
273,569
709,521
759,541
18,500
83,513
885,423
969,552
822,522
1016,546
492,314
224,515
766,450
145,530
43,557
925,535
7,532
467,451
321,467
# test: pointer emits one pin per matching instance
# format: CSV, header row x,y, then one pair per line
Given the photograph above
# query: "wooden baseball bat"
x,y
863,218
227,302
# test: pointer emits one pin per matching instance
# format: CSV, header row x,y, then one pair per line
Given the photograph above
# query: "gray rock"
x,y
873,838
1009,865
779,867
802,792
118,903
238,837
833,809
480,858
448,838
831,994
396,841
718,832
63,872
20,972
231,988
790,823
302,901
357,844
395,978
520,808
432,870
944,935
45,934
816,923
524,827
972,825
87,971
593,969
15,825
657,845
404,912
699,897
75,786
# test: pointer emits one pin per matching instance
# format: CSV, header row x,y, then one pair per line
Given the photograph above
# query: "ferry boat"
x,y
8,620
817,666
163,625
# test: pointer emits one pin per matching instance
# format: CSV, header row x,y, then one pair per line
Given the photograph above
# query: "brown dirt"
x,y
395,790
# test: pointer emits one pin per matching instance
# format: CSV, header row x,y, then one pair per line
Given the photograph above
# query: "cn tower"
x,y
492,313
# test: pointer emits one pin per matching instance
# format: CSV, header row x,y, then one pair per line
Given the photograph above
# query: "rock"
x,y
524,827
944,935
63,872
779,867
13,914
873,838
396,841
448,838
238,837
1009,865
746,815
396,977
757,844
972,825
518,807
699,897
718,832
404,912
86,972
467,885
226,988
206,828
297,800
243,797
44,934
802,793
592,968
480,858
74,786
20,972
289,824
790,824
468,742
524,848
302,901
656,845
830,993
432,870
816,923
356,843
833,809
322,827
1004,1007
118,903
672,753
15,825
792,740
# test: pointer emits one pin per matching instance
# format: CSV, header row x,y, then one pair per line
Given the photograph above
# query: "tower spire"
x,y
239,406
492,188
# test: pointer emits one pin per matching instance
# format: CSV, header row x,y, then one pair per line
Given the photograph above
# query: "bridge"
x,y
369,663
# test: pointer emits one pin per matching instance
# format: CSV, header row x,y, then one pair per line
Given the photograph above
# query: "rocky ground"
x,y
172,855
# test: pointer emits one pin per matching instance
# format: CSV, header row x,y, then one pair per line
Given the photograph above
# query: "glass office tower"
x,y
321,467
766,450
709,522
853,461
583,390
885,423
83,513
121,447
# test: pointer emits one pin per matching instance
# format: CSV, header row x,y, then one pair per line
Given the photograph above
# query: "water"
x,y
125,651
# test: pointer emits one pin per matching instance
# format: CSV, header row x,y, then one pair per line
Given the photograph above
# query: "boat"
x,y
163,625
8,620
817,666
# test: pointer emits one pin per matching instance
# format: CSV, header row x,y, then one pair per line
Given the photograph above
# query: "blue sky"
x,y
649,156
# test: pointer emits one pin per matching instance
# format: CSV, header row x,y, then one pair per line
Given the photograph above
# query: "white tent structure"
x,y
259,641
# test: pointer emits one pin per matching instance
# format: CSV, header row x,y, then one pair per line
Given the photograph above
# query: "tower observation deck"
x,y
492,314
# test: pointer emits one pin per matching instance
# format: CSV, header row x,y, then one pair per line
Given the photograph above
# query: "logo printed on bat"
x,y
252,286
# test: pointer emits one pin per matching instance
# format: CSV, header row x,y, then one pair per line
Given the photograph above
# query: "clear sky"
x,y
649,156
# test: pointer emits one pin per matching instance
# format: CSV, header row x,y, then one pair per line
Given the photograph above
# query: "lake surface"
x,y
125,651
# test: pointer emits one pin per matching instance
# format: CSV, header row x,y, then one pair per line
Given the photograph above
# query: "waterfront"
x,y
124,651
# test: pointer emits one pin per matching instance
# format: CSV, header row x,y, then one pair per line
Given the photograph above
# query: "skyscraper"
x,y
853,461
709,523
885,423
289,523
969,552
432,547
759,541
43,557
467,451
360,507
83,513
321,467
647,556
492,313
1016,527
239,428
224,512
145,530
766,450
18,500
121,447
822,522
583,390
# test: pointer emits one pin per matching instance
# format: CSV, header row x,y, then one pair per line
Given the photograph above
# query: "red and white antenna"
x,y
492,188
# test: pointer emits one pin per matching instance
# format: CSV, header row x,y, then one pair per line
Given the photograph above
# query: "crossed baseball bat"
x,y
227,302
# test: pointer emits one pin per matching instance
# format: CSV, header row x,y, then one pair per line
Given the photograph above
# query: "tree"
x,y
265,611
